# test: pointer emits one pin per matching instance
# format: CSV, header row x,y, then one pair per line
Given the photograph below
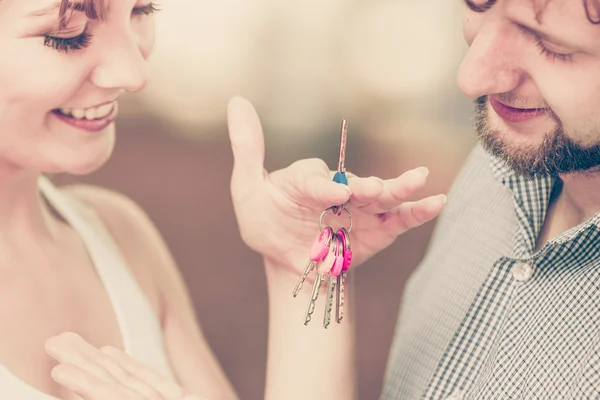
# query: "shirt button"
x,y
522,271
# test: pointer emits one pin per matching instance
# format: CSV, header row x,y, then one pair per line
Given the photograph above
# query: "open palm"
x,y
278,212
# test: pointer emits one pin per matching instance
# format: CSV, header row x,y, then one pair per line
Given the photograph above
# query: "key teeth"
x,y
309,315
309,268
313,298
331,285
311,310
341,290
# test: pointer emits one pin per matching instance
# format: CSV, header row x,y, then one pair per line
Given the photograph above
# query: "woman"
x,y
86,260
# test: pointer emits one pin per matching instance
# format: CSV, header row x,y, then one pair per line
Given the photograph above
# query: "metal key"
x,y
332,276
340,175
323,268
341,278
318,251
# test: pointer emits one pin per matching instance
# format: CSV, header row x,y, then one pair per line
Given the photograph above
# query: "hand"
x,y
278,212
107,374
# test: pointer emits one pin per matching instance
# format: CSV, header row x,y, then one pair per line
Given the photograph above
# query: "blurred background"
x,y
386,66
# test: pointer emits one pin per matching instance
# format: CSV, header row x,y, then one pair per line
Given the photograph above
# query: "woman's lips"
x,y
516,115
94,125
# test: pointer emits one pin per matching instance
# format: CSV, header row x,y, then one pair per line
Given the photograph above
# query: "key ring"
x,y
337,210
343,208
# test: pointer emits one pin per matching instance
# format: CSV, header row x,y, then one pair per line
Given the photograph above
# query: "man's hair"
x,y
592,7
94,9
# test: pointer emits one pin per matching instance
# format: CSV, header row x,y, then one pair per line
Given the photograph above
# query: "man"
x,y
504,305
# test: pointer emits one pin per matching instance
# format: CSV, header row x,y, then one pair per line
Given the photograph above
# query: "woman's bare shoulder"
x,y
134,233
119,212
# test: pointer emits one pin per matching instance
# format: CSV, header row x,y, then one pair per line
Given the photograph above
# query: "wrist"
x,y
278,272
282,278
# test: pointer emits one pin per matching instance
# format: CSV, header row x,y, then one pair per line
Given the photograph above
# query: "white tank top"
x,y
138,323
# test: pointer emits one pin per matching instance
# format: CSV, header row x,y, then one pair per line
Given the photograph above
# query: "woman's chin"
x,y
80,164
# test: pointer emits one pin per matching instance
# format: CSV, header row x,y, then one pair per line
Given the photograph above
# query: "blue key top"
x,y
340,177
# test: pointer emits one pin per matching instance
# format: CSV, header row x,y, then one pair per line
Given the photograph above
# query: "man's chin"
x,y
523,160
554,155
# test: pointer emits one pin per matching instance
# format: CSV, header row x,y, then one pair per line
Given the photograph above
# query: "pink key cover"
x,y
325,265
338,264
320,247
347,251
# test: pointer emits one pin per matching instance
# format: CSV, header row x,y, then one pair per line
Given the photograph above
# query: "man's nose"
x,y
491,65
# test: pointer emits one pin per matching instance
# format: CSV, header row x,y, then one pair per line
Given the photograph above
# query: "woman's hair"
x,y
592,7
94,9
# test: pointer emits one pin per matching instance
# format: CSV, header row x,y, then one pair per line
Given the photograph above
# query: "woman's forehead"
x,y
40,8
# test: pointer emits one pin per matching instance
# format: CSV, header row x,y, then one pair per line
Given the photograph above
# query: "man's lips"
x,y
516,115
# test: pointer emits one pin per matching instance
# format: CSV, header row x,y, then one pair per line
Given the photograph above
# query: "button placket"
x,y
522,271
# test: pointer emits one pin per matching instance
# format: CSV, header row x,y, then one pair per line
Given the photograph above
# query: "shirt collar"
x,y
532,196
500,170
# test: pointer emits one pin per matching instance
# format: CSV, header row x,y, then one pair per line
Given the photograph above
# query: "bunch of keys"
x,y
330,254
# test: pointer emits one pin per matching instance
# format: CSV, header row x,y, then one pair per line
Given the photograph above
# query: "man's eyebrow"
x,y
542,35
54,7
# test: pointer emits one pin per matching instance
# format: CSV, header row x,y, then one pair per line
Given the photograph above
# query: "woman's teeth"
x,y
90,113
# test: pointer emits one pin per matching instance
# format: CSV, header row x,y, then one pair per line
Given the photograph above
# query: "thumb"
x,y
247,144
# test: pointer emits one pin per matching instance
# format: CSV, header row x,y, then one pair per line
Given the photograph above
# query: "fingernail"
x,y
424,171
444,198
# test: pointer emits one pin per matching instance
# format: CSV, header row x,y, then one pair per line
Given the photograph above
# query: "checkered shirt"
x,y
485,316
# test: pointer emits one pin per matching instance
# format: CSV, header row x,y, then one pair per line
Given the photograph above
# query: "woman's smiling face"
x,y
61,81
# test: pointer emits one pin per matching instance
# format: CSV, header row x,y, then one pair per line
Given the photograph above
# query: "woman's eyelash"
x,y
84,39
147,10
66,44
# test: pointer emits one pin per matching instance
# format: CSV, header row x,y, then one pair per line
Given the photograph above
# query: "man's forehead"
x,y
539,6
563,23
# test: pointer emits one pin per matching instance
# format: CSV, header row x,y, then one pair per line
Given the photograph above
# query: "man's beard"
x,y
557,154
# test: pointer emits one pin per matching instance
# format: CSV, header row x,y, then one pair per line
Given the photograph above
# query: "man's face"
x,y
534,70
